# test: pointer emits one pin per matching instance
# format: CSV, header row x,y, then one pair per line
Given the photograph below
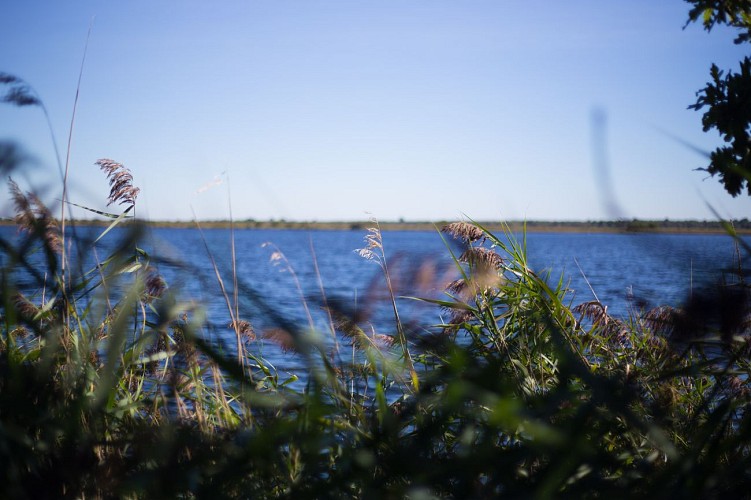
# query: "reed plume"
x,y
380,339
374,250
469,233
458,315
485,268
244,328
155,285
457,287
33,216
594,311
19,92
24,212
25,308
120,179
482,259
282,338
348,327
597,313
344,323
373,244
662,319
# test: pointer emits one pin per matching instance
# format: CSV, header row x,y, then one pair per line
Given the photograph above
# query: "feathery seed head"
x,y
24,213
21,96
593,310
8,78
120,179
662,319
24,307
464,231
275,256
485,269
597,313
244,328
381,340
373,238
366,254
281,337
460,316
373,245
482,259
457,287
155,285
18,332
20,93
33,216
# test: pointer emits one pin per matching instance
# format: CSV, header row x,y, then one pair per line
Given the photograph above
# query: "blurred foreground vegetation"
x,y
112,384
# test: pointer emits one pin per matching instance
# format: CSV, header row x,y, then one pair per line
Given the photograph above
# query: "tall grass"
x,y
519,393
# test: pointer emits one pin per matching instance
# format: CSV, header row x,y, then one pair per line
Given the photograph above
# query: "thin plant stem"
x,y
233,318
67,156
397,319
323,296
235,291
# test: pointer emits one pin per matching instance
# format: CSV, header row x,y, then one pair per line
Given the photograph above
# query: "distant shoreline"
x,y
742,227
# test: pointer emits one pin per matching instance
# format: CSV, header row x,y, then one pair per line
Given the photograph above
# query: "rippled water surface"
x,y
280,271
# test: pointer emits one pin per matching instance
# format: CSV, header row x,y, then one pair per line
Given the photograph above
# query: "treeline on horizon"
x,y
742,226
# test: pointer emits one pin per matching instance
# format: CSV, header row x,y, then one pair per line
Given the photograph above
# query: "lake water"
x,y
623,270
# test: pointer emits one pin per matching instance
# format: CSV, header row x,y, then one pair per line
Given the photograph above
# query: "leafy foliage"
x,y
735,13
728,97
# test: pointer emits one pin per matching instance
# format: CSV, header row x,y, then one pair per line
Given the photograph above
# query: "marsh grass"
x,y
520,393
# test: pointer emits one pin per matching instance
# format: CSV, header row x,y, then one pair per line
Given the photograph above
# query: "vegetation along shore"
x,y
741,227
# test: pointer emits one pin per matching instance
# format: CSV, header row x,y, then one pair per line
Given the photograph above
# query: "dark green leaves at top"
x,y
728,99
735,13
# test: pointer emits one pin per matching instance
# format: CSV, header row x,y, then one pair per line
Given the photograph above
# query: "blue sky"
x,y
414,109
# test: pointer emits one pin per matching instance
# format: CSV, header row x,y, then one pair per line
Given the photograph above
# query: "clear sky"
x,y
414,109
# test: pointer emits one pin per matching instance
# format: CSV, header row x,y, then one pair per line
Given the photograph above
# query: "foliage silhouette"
x,y
728,97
